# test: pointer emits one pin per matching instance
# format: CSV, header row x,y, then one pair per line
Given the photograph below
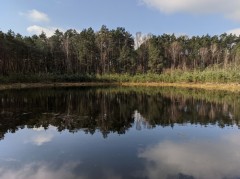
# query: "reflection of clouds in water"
x,y
10,160
41,139
200,159
109,174
41,136
40,171
39,129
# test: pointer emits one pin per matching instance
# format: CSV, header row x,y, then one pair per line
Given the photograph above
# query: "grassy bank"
x,y
212,79
210,75
233,87
51,85
176,76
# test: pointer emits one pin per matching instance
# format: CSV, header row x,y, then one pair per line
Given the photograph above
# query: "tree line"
x,y
113,52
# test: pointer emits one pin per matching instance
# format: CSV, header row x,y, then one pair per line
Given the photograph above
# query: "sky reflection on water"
x,y
50,143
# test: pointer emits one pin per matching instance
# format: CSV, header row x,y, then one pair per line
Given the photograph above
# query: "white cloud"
x,y
35,29
40,136
234,31
36,16
41,170
200,159
39,129
41,139
228,8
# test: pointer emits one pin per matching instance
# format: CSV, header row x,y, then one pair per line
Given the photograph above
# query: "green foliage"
x,y
109,55
209,75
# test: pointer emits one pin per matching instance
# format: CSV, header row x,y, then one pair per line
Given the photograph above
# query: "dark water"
x,y
87,133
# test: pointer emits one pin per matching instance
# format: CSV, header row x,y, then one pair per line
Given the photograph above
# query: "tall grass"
x,y
211,75
176,76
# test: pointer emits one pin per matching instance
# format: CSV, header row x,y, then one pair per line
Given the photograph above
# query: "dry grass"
x,y
233,87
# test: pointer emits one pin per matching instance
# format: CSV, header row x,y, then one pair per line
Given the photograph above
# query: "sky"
x,y
181,17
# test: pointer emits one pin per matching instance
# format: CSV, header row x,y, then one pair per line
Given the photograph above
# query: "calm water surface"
x,y
69,133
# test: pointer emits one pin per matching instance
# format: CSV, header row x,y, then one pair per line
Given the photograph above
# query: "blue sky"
x,y
190,17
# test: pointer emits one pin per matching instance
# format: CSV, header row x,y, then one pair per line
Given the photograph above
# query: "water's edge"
x,y
232,87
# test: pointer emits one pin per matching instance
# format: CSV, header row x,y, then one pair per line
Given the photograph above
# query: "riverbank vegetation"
x,y
116,56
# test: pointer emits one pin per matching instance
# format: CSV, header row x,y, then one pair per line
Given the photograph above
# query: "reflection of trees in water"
x,y
106,110
167,111
140,121
66,109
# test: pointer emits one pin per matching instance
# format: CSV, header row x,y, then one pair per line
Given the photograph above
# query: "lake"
x,y
119,132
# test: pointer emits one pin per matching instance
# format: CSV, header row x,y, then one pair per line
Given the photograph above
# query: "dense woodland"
x,y
113,52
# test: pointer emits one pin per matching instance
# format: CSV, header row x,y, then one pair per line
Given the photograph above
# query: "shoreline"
x,y
232,87
50,85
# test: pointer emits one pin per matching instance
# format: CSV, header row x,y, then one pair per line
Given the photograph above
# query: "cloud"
x,y
40,136
234,31
228,8
36,16
41,170
199,159
39,129
35,29
41,139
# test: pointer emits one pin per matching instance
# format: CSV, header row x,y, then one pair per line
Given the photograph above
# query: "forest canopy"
x,y
113,51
